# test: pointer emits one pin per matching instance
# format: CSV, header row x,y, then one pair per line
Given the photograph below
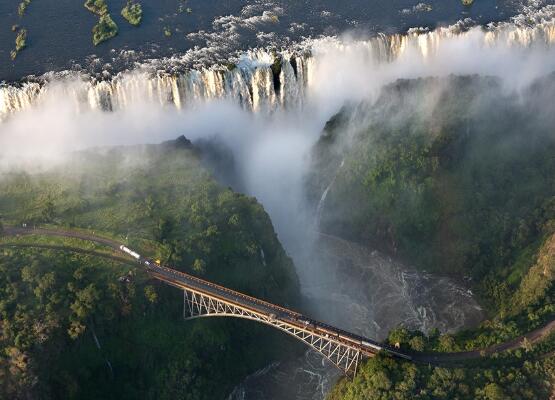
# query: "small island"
x,y
20,42
467,2
105,29
23,7
133,13
98,7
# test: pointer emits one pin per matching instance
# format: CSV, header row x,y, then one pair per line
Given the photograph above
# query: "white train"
x,y
130,252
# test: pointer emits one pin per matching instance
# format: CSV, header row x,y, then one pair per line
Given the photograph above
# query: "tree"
x,y
150,294
447,343
48,211
493,391
527,345
417,343
199,266
164,229
399,336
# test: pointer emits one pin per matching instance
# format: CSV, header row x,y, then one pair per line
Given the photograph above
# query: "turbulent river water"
x,y
360,290
265,110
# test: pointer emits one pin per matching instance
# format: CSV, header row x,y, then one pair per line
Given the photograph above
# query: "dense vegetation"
x,y
133,13
384,379
98,7
463,184
456,176
20,42
81,326
23,7
105,28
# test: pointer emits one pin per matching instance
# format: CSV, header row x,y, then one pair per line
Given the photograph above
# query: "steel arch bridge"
x,y
202,299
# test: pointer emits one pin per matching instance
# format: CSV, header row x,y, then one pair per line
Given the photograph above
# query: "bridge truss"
x,y
344,356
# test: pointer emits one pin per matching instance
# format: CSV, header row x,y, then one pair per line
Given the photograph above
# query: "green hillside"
x,y
86,327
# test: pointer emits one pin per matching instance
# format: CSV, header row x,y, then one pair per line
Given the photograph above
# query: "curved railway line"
x,y
69,249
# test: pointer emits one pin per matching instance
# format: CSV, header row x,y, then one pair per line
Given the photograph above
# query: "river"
x,y
205,32
365,292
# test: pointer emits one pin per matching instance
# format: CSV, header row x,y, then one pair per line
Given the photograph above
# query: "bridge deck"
x,y
184,280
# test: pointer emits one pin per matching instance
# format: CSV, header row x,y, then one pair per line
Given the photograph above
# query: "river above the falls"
x,y
207,32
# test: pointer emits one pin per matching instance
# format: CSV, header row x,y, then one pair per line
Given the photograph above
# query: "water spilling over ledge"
x,y
263,80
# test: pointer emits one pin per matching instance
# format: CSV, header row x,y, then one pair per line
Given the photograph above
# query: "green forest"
x,y
80,326
455,176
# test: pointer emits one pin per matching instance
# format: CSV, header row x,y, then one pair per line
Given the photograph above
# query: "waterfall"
x,y
252,80
252,85
321,203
